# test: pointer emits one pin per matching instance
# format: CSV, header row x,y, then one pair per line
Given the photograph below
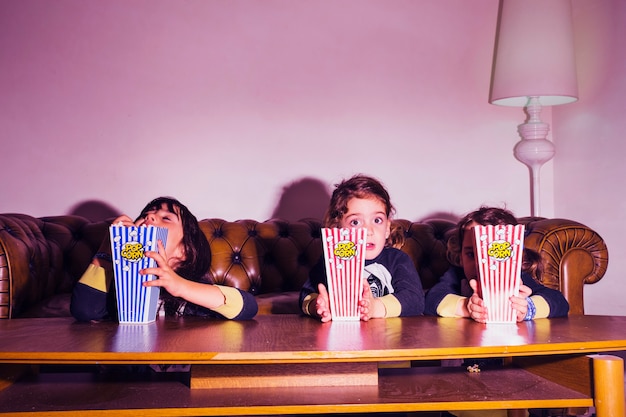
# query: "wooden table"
x,y
553,364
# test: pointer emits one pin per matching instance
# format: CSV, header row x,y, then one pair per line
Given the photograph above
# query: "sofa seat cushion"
x,y
279,303
57,305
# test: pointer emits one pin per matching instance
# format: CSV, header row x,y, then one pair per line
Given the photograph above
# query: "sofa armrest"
x,y
41,258
574,255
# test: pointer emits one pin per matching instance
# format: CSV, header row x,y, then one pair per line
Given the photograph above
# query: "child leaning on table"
x,y
392,285
455,293
182,270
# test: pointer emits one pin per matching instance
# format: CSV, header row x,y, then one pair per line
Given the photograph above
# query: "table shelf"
x,y
399,390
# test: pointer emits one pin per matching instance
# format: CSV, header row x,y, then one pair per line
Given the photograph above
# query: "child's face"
x,y
174,225
468,258
371,214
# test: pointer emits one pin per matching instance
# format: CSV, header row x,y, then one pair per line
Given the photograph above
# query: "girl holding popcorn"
x,y
392,286
182,268
455,294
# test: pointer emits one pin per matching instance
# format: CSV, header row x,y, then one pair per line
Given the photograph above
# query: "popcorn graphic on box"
x,y
135,303
499,251
344,256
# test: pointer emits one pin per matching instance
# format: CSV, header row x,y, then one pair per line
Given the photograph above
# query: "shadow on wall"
x,y
94,210
301,199
440,215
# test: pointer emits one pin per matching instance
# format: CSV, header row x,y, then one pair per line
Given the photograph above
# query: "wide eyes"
x,y
358,222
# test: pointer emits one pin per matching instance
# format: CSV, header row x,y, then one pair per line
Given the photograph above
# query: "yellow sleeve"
x,y
447,306
393,308
233,302
308,300
543,309
95,276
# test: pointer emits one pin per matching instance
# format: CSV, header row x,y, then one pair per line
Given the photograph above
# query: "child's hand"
x,y
370,307
475,305
168,279
519,303
105,245
366,302
322,304
123,220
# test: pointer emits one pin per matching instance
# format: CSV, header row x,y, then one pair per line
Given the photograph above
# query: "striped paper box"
x,y
344,254
499,251
135,303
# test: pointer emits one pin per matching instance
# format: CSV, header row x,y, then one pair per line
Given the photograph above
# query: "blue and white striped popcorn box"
x,y
135,303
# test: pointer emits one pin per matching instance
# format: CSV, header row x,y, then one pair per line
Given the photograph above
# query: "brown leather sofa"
x,y
42,258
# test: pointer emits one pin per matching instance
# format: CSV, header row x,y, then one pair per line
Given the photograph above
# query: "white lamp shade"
x,y
534,54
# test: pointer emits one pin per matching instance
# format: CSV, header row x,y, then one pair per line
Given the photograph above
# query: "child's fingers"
x,y
322,304
160,259
123,220
525,291
153,283
161,248
367,290
321,289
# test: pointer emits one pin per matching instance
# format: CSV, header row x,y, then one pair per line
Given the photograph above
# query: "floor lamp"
x,y
534,66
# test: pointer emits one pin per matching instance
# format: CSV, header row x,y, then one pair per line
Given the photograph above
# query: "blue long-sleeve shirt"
x,y
454,282
391,275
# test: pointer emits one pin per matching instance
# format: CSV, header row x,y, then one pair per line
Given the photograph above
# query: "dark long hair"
x,y
197,260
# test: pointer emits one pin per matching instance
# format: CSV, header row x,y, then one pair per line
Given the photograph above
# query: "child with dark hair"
x,y
392,285
455,293
182,268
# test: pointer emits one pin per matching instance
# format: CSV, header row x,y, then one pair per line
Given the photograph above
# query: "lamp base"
x,y
534,149
534,152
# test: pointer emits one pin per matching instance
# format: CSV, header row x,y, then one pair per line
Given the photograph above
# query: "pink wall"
x,y
225,103
234,106
589,169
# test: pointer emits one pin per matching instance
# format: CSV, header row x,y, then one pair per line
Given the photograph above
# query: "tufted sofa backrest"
x,y
277,255
42,258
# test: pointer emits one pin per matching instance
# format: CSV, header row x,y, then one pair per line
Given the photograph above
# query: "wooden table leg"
x,y
608,381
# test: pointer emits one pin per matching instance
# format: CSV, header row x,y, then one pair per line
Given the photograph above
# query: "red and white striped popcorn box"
x,y
135,303
499,251
344,254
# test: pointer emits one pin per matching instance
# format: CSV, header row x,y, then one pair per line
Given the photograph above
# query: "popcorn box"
x,y
135,303
499,251
344,255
